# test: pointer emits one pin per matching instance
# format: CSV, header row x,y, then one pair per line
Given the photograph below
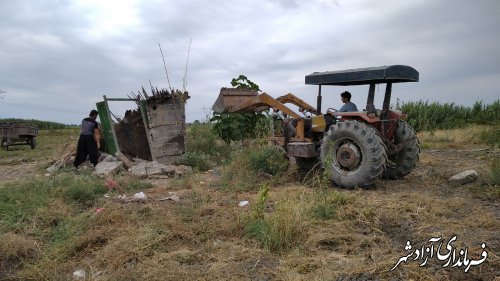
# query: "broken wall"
x,y
131,136
167,125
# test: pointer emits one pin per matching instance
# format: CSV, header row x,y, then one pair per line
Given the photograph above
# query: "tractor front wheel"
x,y
402,162
353,154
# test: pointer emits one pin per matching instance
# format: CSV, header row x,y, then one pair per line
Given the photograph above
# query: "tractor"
x,y
354,148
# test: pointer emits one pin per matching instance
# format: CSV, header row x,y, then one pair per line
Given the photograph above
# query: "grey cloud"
x,y
49,57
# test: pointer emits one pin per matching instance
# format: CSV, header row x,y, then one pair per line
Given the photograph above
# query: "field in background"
x,y
295,226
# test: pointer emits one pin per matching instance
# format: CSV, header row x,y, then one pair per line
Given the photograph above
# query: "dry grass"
x,y
453,138
315,232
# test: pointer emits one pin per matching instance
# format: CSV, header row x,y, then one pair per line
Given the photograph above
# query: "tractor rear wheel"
x,y
401,163
353,154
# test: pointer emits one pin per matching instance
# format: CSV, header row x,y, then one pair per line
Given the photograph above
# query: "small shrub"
x,y
269,160
258,211
201,139
198,160
491,136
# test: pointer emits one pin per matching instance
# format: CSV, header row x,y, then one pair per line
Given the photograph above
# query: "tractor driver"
x,y
348,105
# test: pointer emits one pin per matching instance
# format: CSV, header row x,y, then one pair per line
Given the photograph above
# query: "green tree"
x,y
239,126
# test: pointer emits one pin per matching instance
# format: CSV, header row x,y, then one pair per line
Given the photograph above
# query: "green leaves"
x,y
239,126
243,82
236,126
435,116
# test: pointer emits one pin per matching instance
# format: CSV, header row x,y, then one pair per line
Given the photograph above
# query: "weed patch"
x,y
202,141
491,136
85,192
252,166
270,160
325,203
20,201
134,184
283,228
15,248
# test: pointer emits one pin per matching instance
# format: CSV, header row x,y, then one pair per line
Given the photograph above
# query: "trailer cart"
x,y
13,133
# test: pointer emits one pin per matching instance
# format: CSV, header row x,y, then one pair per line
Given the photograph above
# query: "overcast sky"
x,y
59,57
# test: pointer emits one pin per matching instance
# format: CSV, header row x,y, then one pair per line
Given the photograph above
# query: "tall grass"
x,y
253,165
281,230
433,116
203,148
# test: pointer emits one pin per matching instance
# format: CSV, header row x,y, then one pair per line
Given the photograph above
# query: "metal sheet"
x,y
362,76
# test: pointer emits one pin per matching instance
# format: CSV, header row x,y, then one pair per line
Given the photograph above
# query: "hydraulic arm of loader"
x,y
291,98
258,102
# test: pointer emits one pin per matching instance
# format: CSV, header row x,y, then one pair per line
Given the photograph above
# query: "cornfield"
x,y
435,116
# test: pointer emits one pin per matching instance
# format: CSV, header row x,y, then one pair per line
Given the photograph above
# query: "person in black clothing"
x,y
88,143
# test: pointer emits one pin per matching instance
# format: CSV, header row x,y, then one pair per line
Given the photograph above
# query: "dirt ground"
x,y
421,206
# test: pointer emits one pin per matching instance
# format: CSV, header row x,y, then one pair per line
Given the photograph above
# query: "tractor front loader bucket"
x,y
232,97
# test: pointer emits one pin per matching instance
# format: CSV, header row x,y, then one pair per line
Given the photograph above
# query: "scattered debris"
x,y
175,198
126,162
111,184
64,156
146,169
464,177
140,196
107,168
106,158
79,274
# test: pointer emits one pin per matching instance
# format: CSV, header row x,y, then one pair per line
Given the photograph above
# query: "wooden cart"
x,y
13,133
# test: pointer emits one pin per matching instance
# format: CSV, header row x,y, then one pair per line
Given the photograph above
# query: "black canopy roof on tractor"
x,y
363,76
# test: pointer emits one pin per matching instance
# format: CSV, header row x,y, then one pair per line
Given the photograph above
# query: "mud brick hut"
x,y
155,131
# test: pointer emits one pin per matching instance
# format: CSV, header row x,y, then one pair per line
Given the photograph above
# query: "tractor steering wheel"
x,y
330,110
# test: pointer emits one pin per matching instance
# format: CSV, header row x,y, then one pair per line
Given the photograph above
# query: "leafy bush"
x,y
198,160
491,136
201,139
243,82
238,126
271,160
